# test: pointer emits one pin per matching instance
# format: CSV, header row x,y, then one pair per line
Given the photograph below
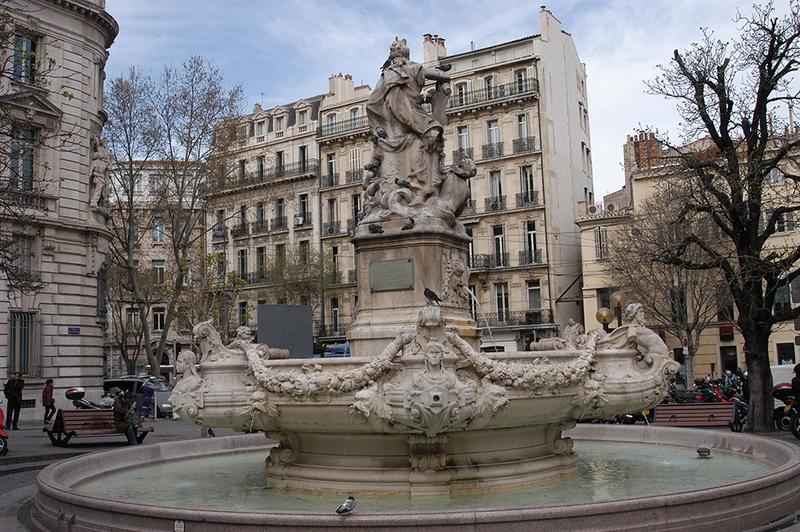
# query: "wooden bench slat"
x,y
71,423
694,415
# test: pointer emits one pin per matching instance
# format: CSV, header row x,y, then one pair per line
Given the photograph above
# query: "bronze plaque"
x,y
391,275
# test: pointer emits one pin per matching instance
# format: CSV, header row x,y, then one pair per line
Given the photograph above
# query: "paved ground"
x,y
30,451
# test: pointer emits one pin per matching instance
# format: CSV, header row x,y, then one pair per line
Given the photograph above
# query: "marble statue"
x,y
100,169
405,178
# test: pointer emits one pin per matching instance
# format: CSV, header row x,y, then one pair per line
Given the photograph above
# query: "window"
x,y
493,132
530,242
335,258
24,67
25,343
242,312
261,261
242,169
601,239
462,94
526,183
728,358
501,301
782,301
132,319
521,77
279,208
187,276
495,184
135,232
280,161
242,216
785,352
534,295
157,234
21,158
724,304
304,251
222,263
678,308
471,251
260,128
279,123
354,113
331,164
241,132
302,157
159,317
332,211
242,262
260,166
21,250
158,269
280,254
303,204
335,314
604,297
499,245
355,159
488,84
774,177
784,222
522,126
356,206
302,118
463,137
331,121
473,307
260,212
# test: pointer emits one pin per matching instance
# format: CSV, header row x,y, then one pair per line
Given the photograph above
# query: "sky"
x,y
283,50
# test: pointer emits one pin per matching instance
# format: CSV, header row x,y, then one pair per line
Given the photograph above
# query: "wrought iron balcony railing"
x,y
279,222
303,219
490,151
309,167
492,260
462,153
495,203
528,198
334,328
509,318
524,144
332,228
527,87
530,256
218,233
354,176
351,225
259,227
345,127
330,180
240,229
469,208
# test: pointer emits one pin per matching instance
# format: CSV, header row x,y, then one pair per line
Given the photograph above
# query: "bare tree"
x,y
680,300
735,139
295,278
170,120
129,316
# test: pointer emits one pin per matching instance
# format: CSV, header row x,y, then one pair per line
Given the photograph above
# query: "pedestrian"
x,y
729,380
796,382
124,415
48,401
13,393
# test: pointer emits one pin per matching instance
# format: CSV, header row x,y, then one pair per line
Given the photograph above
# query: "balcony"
x,y
495,203
330,180
303,219
218,233
461,153
524,144
344,128
354,176
530,256
332,228
337,327
515,318
351,226
239,230
332,278
259,227
482,97
492,260
352,277
309,167
278,223
469,208
528,198
494,150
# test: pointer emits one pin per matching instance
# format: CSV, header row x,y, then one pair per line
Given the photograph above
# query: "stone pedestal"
x,y
394,269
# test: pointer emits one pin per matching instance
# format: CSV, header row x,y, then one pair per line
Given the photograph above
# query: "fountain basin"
x,y
769,490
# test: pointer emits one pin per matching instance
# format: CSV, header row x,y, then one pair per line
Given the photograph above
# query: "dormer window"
x,y
24,67
260,128
302,118
279,123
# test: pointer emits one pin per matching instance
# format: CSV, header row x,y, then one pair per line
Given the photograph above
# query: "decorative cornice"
x,y
93,13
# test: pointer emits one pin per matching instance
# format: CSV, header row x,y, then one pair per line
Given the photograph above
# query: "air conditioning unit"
x,y
592,209
298,220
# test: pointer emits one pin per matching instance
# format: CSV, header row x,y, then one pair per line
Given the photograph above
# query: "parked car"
x,y
135,385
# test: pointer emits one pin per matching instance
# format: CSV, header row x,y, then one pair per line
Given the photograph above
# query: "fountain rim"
x,y
784,456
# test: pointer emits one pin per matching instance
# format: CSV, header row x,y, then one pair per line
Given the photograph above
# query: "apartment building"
x,y
52,118
647,169
264,206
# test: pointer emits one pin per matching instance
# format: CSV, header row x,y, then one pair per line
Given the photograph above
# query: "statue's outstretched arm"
x,y
435,74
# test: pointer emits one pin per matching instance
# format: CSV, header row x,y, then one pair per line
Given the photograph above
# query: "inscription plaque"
x,y
390,275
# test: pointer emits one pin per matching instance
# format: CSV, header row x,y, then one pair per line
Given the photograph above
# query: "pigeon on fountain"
x,y
375,228
347,506
408,225
402,183
432,297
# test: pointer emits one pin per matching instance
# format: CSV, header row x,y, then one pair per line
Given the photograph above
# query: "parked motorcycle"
x,y
785,413
740,411
76,395
3,433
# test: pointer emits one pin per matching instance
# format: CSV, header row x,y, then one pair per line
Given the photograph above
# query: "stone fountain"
x,y
418,410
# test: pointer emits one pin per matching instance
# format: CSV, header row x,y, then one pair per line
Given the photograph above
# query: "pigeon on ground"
x,y
402,183
375,228
347,506
408,225
432,297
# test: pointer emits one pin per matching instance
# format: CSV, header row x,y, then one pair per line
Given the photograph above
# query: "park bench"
x,y
71,423
694,414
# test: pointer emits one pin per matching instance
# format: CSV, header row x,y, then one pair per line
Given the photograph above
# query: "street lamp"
x,y
604,316
618,301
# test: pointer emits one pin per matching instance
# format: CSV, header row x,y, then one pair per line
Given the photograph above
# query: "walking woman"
x,y
47,401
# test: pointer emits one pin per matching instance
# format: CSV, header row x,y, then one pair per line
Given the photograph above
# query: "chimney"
x,y
257,108
645,151
428,49
341,85
544,23
471,46
441,50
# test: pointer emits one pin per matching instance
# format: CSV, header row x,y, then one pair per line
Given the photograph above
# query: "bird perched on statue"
x,y
347,506
432,297
380,133
408,225
445,67
402,183
375,228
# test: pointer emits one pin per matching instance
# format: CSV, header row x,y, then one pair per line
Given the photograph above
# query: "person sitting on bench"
x,y
125,415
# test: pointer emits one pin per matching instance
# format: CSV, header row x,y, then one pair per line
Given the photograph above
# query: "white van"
x,y
782,373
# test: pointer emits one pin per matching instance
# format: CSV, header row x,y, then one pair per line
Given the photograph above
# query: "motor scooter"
x,y
76,395
3,433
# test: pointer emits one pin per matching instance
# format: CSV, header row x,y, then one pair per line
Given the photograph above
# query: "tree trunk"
x,y
759,378
689,368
